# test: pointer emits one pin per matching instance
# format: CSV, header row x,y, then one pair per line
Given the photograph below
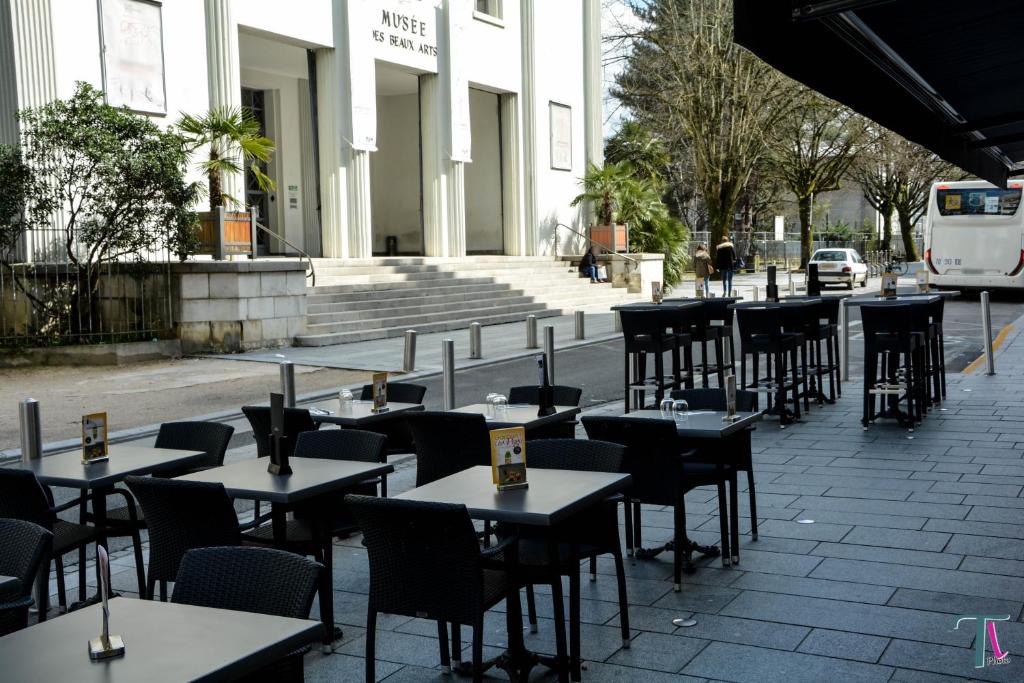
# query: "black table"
x,y
360,413
250,480
904,299
518,415
552,496
702,424
163,642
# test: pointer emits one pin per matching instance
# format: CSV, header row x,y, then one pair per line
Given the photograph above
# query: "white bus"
x,y
975,235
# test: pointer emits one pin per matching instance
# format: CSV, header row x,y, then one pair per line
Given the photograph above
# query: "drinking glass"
x,y
681,409
345,399
666,407
500,406
489,401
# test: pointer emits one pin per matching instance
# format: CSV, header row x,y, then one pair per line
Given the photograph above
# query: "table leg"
x,y
326,590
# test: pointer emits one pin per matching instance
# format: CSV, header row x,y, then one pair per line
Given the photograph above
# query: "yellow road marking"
x,y
1000,338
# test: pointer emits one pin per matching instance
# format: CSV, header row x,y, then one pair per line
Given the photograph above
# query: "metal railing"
x,y
604,247
302,254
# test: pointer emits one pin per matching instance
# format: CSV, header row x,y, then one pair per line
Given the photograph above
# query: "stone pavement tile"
x,y
992,479
597,672
922,578
844,645
598,642
777,544
921,558
885,507
815,588
817,531
847,616
745,632
978,489
640,591
350,608
659,652
878,465
988,565
418,674
862,519
591,611
912,676
874,494
399,648
1004,470
896,538
320,668
925,497
945,477
962,468
952,603
654,619
805,490
1009,515
987,546
942,659
970,528
830,477
776,563
695,598
743,663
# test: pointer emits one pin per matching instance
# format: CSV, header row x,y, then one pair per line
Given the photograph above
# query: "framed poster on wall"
x,y
132,46
561,136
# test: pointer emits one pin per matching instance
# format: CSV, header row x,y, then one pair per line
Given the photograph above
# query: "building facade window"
x,y
491,8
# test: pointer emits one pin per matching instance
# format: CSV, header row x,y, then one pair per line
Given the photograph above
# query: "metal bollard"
x,y
409,354
549,351
475,342
31,430
531,331
288,383
581,332
844,338
757,293
618,322
448,374
986,324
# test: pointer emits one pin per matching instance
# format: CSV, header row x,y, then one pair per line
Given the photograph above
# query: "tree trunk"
x,y
907,232
886,229
806,230
216,191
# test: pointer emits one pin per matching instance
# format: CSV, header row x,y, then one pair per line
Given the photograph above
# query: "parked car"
x,y
841,267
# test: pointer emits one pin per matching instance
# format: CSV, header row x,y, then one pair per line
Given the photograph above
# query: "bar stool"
x,y
937,348
830,312
703,332
761,334
644,333
719,312
888,334
815,332
794,320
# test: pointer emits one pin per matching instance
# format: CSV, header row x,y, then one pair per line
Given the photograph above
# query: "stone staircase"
x,y
359,300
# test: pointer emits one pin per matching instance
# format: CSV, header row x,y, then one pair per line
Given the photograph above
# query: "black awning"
x,y
946,74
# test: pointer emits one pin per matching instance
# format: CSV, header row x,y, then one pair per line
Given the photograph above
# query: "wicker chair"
x,y
590,533
425,562
296,420
564,396
182,515
23,497
211,438
447,443
663,471
399,392
260,580
24,547
396,429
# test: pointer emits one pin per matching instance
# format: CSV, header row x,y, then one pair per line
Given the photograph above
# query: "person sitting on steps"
x,y
588,265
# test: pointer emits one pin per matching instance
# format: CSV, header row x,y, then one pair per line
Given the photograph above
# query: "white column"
x,y
593,90
360,218
456,208
530,217
224,77
333,176
454,118
511,176
435,177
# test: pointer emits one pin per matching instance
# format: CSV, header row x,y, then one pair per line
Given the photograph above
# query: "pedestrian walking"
x,y
725,259
703,268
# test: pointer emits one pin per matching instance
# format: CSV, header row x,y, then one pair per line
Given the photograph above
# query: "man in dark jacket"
x,y
725,261
588,265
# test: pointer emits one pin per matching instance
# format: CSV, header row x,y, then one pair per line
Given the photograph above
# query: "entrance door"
x,y
254,101
484,230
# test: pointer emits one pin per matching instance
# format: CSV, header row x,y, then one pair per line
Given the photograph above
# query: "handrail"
x,y
593,241
309,259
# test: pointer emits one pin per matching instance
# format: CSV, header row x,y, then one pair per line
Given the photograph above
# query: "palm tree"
x,y
230,133
604,187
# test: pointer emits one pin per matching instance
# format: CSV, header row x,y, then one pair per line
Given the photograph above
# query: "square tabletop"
x,y
702,424
904,299
359,414
163,642
250,479
521,415
552,495
66,469
665,303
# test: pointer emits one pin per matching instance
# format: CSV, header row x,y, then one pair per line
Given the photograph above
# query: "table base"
x,y
689,548
517,665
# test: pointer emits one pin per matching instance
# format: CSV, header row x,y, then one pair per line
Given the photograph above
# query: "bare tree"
x,y
813,149
874,172
689,82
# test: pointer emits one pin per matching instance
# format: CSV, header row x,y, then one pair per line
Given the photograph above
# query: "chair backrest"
x,y
261,580
210,437
759,321
886,319
23,497
182,515
718,310
714,399
424,558
342,444
399,392
23,548
296,421
644,325
447,443
936,309
652,454
530,395
829,308
583,455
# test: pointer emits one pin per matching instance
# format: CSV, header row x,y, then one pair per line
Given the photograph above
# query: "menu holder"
x,y
380,392
508,458
106,646
278,454
94,438
730,399
922,281
657,294
889,285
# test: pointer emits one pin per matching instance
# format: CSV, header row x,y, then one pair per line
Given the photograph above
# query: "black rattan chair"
x,y
260,580
447,443
296,421
395,429
425,562
182,515
662,473
23,497
564,396
399,392
24,547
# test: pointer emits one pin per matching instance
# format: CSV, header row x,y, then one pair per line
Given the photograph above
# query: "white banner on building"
x,y
459,14
133,55
362,79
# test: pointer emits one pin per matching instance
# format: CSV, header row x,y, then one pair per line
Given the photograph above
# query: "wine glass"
x,y
681,409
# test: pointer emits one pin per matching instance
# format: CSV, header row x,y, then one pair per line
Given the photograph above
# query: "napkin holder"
x,y
105,646
278,455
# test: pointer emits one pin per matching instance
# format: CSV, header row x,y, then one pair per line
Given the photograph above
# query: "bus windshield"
x,y
978,201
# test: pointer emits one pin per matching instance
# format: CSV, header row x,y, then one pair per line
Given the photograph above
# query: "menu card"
x,y
922,281
380,391
94,437
889,284
656,292
730,397
508,458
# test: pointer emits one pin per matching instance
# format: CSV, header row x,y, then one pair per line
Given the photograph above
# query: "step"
x,y
343,302
418,320
437,309
329,279
345,294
